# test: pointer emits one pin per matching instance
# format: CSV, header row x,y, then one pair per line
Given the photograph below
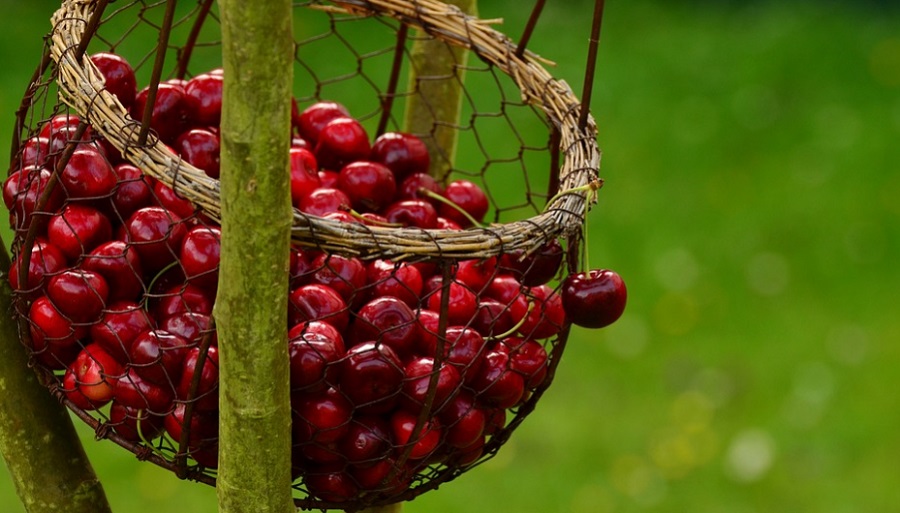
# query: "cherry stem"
x,y
592,187
437,197
512,331
156,278
372,222
142,414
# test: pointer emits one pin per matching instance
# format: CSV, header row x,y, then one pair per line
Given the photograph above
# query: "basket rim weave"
x,y
81,87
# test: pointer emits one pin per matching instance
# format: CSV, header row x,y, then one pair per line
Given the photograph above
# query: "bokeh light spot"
x,y
750,455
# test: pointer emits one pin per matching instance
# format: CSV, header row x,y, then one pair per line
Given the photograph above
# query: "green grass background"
x,y
752,203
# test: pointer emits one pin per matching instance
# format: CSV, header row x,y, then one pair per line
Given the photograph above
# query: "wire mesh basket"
x,y
443,280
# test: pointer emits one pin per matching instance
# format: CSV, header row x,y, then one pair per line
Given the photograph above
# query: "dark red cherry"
x,y
120,264
404,154
169,117
78,229
88,175
200,148
372,377
468,197
594,299
536,268
304,174
118,328
203,98
45,259
341,141
386,320
323,201
314,118
78,294
315,302
132,192
400,280
199,254
118,76
156,233
369,185
414,213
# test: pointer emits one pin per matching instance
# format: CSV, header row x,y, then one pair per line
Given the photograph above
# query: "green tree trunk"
x,y
434,112
251,306
42,451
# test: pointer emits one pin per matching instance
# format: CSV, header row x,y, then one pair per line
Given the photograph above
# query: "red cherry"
x,y
594,299
96,374
160,357
45,259
427,323
78,229
321,418
416,213
301,266
70,388
331,485
119,326
133,391
537,268
331,333
528,358
134,424
49,327
386,320
314,118
172,200
304,174
476,274
466,351
461,306
467,196
411,187
504,288
88,175
203,98
316,302
369,185
403,153
424,442
169,116
313,356
328,179
416,384
323,201
367,440
496,384
492,318
200,148
401,280
341,141
34,152
191,326
22,191
347,276
156,234
546,318
374,477
202,427
183,298
78,294
463,421
200,252
372,377
133,191
118,76
120,265
207,393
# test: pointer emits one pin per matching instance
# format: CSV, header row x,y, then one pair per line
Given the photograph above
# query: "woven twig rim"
x,y
81,87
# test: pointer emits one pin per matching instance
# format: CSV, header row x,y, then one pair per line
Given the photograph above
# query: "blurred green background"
x,y
752,204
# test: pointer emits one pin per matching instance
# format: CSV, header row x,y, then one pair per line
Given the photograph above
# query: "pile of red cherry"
x,y
122,278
